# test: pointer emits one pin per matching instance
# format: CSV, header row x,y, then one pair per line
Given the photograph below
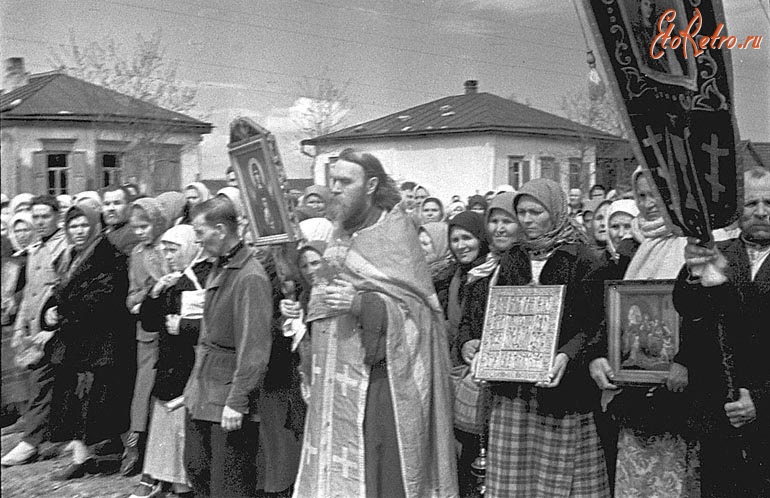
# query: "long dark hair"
x,y
386,196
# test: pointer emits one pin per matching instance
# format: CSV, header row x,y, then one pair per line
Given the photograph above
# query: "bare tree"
x,y
146,74
325,106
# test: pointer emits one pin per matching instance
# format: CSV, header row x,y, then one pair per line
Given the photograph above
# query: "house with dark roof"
x,y
60,134
473,142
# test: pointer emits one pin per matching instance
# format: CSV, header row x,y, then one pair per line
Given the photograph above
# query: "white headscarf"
x,y
661,254
626,206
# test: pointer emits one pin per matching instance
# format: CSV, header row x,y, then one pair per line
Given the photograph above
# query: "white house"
x,y
60,134
471,143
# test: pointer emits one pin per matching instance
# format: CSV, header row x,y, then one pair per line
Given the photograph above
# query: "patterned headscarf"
x,y
153,209
565,230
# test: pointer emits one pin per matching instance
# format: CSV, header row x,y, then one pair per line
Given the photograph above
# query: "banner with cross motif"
x,y
674,87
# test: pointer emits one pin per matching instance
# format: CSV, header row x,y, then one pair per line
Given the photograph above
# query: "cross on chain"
x,y
713,178
346,380
346,464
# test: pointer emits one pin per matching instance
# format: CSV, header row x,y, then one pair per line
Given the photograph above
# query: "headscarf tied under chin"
x,y
184,237
626,206
438,231
26,218
72,259
565,230
483,265
661,254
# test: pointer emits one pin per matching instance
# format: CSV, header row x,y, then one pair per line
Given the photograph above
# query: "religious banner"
x,y
669,64
261,180
261,177
521,329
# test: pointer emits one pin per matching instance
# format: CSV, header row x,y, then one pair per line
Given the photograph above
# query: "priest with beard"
x,y
379,420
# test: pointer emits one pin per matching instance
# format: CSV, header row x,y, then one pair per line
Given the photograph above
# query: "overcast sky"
x,y
249,56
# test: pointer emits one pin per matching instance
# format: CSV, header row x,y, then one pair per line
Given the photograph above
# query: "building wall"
x,y
21,145
459,164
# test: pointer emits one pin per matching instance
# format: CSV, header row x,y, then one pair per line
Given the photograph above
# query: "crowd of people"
x,y
152,336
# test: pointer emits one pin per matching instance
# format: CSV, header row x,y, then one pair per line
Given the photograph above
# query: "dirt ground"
x,y
34,480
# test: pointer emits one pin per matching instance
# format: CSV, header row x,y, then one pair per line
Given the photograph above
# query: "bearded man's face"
x,y
349,191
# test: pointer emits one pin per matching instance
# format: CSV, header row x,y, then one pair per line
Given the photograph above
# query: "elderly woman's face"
x,y
533,217
23,233
600,223
171,253
619,227
645,200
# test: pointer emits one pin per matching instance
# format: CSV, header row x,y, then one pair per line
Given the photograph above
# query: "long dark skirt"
x,y
91,406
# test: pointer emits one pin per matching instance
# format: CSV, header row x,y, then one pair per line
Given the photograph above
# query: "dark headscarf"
x,y
474,224
565,231
477,199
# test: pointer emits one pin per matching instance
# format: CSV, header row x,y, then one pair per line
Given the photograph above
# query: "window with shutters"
x,y
518,171
549,168
111,163
58,172
575,173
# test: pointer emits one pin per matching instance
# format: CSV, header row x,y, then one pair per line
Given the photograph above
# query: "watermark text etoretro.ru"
x,y
691,37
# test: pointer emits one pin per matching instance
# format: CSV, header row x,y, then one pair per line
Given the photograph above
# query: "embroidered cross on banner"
x,y
713,177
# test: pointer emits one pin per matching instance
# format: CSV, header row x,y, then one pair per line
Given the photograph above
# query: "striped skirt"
x,y
533,455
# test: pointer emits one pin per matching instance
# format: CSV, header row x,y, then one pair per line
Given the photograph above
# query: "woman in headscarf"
x,y
316,198
467,294
431,209
477,204
94,346
145,267
15,377
173,205
194,194
454,208
173,309
22,202
542,437
434,239
653,445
